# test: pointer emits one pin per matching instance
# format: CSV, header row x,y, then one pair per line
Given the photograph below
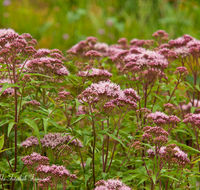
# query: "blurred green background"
x,y
62,23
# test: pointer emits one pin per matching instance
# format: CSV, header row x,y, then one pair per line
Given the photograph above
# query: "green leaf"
x,y
104,175
51,99
5,149
34,126
47,86
177,96
104,132
154,178
55,124
169,176
78,119
4,168
7,85
197,87
193,109
45,124
114,137
189,85
1,141
88,140
148,146
6,116
142,180
77,104
3,122
156,108
130,177
87,176
10,126
5,104
37,74
154,94
181,130
195,161
89,160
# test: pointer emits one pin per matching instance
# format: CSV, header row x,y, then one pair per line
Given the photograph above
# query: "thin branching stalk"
x,y
103,146
15,125
20,104
93,145
174,90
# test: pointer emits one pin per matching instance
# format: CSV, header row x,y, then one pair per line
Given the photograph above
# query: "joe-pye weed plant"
x,y
122,116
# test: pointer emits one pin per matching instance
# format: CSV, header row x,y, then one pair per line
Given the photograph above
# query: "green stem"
x,y
93,144
15,125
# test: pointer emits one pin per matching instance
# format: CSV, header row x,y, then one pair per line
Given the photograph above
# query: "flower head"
x,y
194,119
159,118
111,184
110,95
35,159
54,140
149,59
29,142
95,74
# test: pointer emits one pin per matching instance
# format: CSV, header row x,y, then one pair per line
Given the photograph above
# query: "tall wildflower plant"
x,y
120,116
105,100
15,51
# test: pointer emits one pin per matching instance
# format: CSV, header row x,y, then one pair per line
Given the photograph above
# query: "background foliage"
x,y
62,23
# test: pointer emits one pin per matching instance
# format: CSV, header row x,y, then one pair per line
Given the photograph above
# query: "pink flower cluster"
x,y
109,94
160,35
83,46
30,142
39,165
45,182
12,45
51,140
169,54
148,76
186,107
145,59
169,105
100,73
47,62
181,41
171,151
55,175
181,156
92,54
4,32
156,135
137,145
54,140
194,119
117,54
35,159
33,103
102,48
111,184
54,170
183,52
140,43
160,118
161,152
185,46
182,71
64,96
